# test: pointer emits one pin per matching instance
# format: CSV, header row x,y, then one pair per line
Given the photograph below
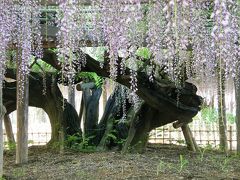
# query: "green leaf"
x,y
144,53
92,76
112,136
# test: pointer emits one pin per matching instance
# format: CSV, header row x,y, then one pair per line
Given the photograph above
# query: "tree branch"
x,y
158,95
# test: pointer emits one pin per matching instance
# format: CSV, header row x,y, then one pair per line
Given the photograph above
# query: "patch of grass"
x,y
202,152
19,172
85,175
2,178
224,164
163,167
11,145
201,155
182,163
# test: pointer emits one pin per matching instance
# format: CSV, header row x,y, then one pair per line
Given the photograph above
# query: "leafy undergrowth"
x,y
158,162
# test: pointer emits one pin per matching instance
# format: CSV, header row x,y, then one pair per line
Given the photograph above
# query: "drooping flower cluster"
x,y
179,35
72,32
5,34
201,61
119,22
176,38
194,36
20,31
156,32
177,32
182,34
225,36
27,37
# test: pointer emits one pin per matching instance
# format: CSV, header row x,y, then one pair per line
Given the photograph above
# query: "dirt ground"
x,y
158,162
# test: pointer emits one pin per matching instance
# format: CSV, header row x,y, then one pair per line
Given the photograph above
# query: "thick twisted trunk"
x,y
111,129
91,105
163,104
61,114
142,122
89,110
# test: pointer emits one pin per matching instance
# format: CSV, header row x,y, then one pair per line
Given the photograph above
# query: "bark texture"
x,y
222,111
62,115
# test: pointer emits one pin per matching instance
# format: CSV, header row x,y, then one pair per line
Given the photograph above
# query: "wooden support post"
x,y
131,132
2,113
188,137
237,100
193,139
22,116
187,133
8,128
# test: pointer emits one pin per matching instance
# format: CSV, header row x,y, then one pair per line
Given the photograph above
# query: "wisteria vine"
x,y
197,36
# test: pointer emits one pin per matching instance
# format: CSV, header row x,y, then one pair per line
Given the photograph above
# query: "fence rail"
x,y
205,135
34,138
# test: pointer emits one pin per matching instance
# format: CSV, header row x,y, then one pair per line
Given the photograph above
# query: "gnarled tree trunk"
x,y
110,125
163,103
89,111
62,115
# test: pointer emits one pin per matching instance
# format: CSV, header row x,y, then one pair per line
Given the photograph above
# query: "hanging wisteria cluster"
x,y
5,35
225,36
173,34
72,25
118,23
27,38
198,36
20,31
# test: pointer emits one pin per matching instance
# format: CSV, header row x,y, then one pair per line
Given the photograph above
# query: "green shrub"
x,y
209,115
230,118
77,143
